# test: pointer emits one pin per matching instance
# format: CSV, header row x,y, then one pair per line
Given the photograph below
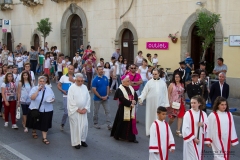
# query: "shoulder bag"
x,y
35,112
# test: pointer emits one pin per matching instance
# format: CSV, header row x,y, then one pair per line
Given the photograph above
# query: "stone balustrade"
x,y
30,3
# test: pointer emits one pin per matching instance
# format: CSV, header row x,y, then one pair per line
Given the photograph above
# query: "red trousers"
x,y
10,109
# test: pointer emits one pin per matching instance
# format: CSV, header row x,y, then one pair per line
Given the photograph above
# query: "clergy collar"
x,y
68,76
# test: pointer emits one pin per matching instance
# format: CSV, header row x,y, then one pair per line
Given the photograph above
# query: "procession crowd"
x,y
131,84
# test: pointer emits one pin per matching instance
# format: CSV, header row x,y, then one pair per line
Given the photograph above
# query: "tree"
x,y
206,23
45,27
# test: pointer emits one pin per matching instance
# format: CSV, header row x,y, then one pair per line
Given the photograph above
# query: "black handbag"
x,y
35,112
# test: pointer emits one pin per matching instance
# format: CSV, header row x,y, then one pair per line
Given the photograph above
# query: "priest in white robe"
x,y
221,132
156,94
78,106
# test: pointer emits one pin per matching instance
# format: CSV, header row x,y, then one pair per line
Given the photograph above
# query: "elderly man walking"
x,y
78,105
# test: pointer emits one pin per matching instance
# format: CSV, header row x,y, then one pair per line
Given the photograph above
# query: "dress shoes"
x,y
77,147
84,144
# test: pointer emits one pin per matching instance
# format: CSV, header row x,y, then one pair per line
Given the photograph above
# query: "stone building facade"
x,y
129,25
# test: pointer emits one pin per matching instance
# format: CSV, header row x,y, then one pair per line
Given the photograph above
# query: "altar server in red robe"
x,y
221,132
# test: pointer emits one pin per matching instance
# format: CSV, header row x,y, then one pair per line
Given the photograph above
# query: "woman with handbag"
x,y
177,101
24,88
9,92
40,109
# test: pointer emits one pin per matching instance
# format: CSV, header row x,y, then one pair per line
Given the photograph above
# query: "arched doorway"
x,y
9,42
197,51
67,18
127,46
214,52
36,41
76,35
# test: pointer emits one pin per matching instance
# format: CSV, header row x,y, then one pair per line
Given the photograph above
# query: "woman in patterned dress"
x,y
176,94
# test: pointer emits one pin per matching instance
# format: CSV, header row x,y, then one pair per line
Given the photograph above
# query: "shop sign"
x,y
234,40
157,45
6,25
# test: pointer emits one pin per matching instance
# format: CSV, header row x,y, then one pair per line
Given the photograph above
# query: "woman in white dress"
x,y
139,59
143,71
4,55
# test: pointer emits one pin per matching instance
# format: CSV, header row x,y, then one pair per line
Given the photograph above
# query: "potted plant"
x,y
173,37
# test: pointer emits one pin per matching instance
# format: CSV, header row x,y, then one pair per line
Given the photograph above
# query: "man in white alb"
x,y
78,105
156,94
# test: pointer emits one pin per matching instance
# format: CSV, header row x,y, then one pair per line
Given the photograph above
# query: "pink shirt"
x,y
134,78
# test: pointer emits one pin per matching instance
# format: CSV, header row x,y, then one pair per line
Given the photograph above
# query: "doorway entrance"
x,y
9,42
197,51
76,35
36,42
127,46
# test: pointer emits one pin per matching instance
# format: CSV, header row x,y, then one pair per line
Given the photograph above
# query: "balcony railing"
x,y
59,0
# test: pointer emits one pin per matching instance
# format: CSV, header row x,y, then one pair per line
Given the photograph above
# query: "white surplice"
x,y
161,141
221,134
156,94
191,150
78,98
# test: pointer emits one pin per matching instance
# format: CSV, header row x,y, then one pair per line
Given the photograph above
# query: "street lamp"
x,y
199,3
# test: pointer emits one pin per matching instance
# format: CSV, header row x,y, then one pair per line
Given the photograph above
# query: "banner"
x,y
6,25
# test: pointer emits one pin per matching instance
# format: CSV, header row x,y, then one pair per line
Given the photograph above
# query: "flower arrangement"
x,y
173,36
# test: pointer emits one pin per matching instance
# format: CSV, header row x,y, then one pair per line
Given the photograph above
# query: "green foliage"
x,y
45,27
206,23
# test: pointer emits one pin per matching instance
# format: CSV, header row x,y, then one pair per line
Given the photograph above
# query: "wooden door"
x,y
127,46
36,42
9,41
76,35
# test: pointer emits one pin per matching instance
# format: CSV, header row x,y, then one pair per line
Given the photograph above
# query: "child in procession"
x,y
194,129
10,58
221,132
47,64
161,138
19,62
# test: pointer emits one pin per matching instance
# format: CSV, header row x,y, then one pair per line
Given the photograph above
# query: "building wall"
x,y
153,21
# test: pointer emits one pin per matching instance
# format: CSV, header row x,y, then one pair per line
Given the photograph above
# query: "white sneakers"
x,y
6,124
14,126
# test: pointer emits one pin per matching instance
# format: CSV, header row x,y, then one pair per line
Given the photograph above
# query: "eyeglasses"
x,y
133,68
155,74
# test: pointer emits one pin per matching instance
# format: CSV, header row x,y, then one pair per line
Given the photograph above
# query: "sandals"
x,y
45,141
34,134
178,133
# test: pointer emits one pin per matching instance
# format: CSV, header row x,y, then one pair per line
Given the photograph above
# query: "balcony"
x,y
6,5
30,3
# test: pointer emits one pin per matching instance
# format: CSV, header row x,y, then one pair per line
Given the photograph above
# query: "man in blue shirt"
x,y
189,66
100,88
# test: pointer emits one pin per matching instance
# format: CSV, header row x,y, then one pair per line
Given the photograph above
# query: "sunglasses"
x,y
133,68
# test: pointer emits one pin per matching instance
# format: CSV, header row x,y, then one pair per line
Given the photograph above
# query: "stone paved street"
x,y
15,145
